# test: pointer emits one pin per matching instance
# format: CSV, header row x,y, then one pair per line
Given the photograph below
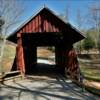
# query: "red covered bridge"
x,y
46,29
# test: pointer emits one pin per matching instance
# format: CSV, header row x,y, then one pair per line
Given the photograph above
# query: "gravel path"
x,y
44,88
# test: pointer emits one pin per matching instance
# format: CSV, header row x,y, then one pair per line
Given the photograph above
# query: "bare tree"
x,y
67,13
65,16
94,19
10,13
79,21
1,25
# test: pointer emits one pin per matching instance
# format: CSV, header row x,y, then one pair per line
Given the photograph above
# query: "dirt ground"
x,y
43,52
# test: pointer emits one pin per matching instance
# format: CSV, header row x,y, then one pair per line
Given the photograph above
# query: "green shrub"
x,y
88,43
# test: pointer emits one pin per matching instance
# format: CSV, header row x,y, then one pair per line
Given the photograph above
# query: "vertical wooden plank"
x,y
23,30
20,56
37,24
29,27
46,25
26,28
33,26
39,21
49,27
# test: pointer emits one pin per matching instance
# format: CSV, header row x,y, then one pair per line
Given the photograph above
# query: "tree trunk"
x,y
1,55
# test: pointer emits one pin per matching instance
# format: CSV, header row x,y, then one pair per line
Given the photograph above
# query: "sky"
x,y
58,7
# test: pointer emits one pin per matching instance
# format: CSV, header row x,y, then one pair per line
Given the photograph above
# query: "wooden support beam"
x,y
20,56
13,75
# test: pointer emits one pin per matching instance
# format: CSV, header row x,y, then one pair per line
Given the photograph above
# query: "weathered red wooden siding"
x,y
20,56
41,23
71,63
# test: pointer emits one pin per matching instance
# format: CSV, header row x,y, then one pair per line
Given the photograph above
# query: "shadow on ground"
x,y
42,69
40,86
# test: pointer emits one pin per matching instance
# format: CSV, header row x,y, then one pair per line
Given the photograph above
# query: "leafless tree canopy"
x,y
79,19
10,11
94,14
95,19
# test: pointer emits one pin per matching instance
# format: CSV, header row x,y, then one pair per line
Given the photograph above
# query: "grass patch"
x,y
8,57
90,73
90,67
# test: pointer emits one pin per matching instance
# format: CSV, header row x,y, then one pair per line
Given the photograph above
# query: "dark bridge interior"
x,y
30,43
42,39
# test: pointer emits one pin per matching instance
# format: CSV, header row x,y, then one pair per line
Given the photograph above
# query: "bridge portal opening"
x,y
42,52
